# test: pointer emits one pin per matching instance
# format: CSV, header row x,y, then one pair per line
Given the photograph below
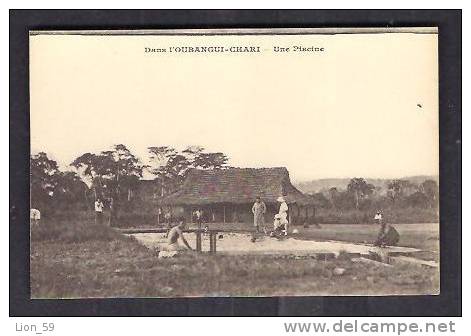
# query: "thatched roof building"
x,y
236,185
235,189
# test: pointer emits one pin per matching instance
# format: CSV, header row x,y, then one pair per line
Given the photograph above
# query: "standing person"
x,y
283,212
99,211
35,216
199,217
168,221
258,209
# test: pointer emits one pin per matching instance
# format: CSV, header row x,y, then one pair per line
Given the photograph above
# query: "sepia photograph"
x,y
234,162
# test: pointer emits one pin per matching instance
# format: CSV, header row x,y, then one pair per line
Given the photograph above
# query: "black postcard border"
x,y
448,303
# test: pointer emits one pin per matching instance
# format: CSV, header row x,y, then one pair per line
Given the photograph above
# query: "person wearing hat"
x,y
278,226
378,217
283,213
388,235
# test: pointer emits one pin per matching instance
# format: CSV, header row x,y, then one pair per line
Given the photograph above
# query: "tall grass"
x,y
74,257
125,269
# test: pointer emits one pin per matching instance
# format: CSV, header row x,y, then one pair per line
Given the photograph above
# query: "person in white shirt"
x,y
278,226
35,216
283,212
378,217
199,217
99,211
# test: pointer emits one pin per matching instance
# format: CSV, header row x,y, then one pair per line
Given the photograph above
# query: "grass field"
x,y
422,236
81,260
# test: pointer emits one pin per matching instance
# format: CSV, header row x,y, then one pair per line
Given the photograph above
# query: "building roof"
x,y
236,185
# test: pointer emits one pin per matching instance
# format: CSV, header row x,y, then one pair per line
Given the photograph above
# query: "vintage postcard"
x,y
234,162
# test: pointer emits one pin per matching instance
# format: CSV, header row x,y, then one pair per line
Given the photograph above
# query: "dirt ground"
x,y
239,243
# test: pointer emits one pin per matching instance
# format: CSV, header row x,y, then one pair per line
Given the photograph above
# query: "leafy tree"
x,y
175,170
210,160
128,170
200,159
70,190
160,155
95,168
191,152
430,189
93,165
360,189
418,200
345,200
43,179
170,166
396,189
114,174
333,195
320,200
117,168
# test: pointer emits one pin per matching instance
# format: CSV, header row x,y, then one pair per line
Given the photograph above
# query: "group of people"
x,y
280,221
99,206
387,236
280,225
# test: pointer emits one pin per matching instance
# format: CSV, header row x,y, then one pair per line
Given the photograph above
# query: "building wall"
x,y
239,213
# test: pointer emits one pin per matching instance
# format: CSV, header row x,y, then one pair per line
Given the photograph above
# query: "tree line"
x,y
361,195
112,175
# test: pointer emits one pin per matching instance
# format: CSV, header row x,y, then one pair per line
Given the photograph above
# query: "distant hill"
x,y
319,185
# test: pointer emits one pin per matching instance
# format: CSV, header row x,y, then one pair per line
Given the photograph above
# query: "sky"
x,y
367,106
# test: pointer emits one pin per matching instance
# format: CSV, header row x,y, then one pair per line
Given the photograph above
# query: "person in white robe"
x,y
283,212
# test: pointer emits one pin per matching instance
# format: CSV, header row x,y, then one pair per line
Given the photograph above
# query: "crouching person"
x,y
280,227
387,236
174,235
